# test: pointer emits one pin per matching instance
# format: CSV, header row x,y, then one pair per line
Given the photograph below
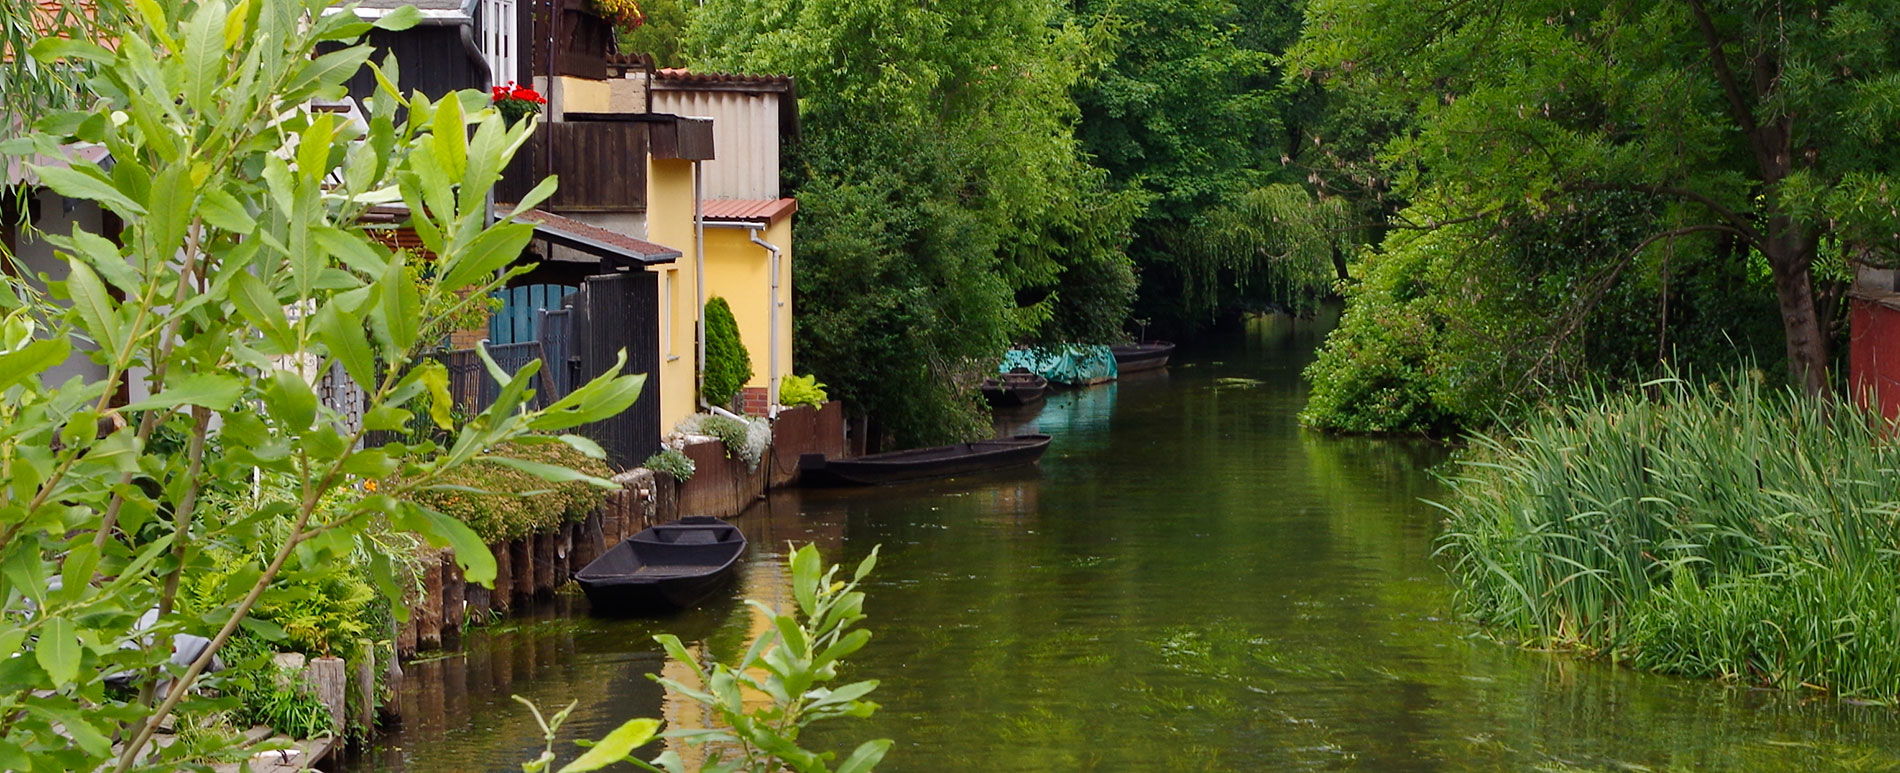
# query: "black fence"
x,y
575,344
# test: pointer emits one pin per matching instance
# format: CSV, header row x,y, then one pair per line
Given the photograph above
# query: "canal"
x,y
1187,582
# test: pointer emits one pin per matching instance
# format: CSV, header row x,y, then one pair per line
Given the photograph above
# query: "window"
x,y
501,39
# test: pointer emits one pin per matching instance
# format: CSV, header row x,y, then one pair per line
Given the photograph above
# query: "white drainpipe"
x,y
699,266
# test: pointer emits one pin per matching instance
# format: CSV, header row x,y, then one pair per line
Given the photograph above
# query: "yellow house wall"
x,y
740,272
670,222
580,95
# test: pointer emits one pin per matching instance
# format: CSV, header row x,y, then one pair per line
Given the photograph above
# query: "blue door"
x,y
516,322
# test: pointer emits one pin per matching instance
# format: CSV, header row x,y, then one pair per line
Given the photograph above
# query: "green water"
x,y
1187,582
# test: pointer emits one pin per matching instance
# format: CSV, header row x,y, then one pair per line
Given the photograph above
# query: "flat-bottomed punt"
x,y
923,463
1009,390
663,568
1134,358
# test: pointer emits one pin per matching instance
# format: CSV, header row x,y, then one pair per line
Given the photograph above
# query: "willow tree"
x,y
946,209
30,88
1766,124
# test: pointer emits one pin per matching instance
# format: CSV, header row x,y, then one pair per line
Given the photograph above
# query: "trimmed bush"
x,y
728,366
518,504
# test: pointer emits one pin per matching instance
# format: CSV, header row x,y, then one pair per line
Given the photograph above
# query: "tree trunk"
x,y
1791,257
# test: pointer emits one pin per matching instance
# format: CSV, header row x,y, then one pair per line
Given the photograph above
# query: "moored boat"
x,y
1134,358
923,463
663,568
1008,390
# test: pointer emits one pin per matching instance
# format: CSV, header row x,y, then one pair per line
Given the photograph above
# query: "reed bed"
x,y
1720,530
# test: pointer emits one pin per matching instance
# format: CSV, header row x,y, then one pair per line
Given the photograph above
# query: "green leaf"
x,y
586,446
216,391
866,757
260,307
75,184
865,566
487,253
605,396
631,735
203,59
265,628
805,568
552,473
95,307
400,19
344,335
50,49
289,398
223,211
352,248
386,417
58,650
478,565
401,306
33,359
435,377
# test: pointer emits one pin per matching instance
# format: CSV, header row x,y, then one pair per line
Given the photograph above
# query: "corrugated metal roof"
x,y
591,239
749,210
17,172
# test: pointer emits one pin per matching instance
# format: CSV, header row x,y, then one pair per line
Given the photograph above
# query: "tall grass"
x,y
1711,530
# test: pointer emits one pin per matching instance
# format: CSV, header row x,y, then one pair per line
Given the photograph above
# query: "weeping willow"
x,y
1276,242
29,88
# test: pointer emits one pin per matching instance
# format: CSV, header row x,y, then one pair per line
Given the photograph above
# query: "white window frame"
x,y
501,39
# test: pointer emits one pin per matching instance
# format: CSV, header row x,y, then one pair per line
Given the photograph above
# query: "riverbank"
x,y
1187,581
1725,530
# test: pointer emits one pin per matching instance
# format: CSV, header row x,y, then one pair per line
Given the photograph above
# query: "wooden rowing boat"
x,y
1009,390
1134,358
923,463
663,568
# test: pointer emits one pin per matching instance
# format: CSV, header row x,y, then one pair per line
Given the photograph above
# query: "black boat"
x,y
663,568
1134,358
1014,388
923,463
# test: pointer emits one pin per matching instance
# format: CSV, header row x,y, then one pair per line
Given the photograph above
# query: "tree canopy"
x,y
1769,125
946,209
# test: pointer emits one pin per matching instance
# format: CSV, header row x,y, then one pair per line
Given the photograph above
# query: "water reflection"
x,y
1188,581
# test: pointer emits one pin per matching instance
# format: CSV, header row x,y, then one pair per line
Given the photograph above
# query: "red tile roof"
x,y
751,210
594,239
680,78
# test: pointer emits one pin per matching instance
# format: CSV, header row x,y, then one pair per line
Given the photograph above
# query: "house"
x,y
23,201
1874,341
634,150
747,224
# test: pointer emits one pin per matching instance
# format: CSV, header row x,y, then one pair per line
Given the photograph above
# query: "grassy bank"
x,y
1707,530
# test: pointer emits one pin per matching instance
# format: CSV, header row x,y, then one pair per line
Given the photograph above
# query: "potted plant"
x,y
625,14
516,102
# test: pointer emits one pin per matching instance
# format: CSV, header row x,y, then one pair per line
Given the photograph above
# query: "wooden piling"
x,y
365,686
543,562
501,597
453,595
330,683
523,550
428,613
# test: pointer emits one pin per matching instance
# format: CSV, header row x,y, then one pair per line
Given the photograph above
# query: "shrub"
x,y
794,391
502,503
1452,329
744,439
1721,530
728,366
672,462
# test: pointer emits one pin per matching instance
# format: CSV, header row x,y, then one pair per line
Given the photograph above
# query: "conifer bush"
x,y
728,366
